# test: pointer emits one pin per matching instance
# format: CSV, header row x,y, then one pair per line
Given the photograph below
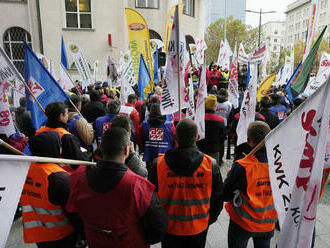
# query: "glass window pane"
x,y
85,21
7,49
141,3
17,34
71,5
20,66
153,4
84,5
18,50
71,20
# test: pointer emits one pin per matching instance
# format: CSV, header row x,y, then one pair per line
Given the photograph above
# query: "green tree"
x,y
236,32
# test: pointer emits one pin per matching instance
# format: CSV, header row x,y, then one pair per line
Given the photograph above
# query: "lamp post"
x,y
260,13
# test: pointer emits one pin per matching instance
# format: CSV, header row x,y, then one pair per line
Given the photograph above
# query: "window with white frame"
x,y
78,14
275,40
14,46
150,4
189,7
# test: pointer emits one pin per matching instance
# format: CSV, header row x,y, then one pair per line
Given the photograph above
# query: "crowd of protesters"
x,y
154,180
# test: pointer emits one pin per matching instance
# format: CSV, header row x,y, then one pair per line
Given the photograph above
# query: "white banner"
x,y
95,70
65,80
224,55
233,93
322,74
200,48
287,70
265,62
247,112
296,155
242,56
7,78
190,113
125,90
125,70
200,106
81,63
259,54
13,171
18,92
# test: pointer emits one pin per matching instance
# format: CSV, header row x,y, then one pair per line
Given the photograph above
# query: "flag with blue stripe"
x,y
43,86
156,77
64,58
144,77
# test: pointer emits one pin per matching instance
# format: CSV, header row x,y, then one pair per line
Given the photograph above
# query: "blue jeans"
x,y
239,237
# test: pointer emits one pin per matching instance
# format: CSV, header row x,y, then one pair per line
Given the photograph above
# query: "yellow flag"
x,y
265,86
169,23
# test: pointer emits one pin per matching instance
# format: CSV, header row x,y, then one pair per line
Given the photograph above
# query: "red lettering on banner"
x,y
4,118
4,86
156,134
36,88
325,63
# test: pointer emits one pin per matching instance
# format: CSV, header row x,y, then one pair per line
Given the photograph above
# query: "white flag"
x,y
13,171
8,76
18,92
296,155
125,70
247,112
314,12
287,69
200,106
65,80
242,56
95,70
190,113
265,61
81,63
200,48
233,93
224,54
125,90
322,74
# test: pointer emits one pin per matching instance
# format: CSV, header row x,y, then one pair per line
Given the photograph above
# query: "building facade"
x,y
99,27
216,9
297,18
274,32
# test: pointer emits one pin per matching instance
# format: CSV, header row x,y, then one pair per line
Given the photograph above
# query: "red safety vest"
x,y
42,220
257,212
186,200
112,219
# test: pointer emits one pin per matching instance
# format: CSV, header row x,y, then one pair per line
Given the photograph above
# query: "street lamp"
x,y
260,13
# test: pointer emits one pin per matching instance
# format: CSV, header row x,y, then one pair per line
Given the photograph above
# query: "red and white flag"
x,y
242,56
297,155
233,93
65,80
200,106
225,53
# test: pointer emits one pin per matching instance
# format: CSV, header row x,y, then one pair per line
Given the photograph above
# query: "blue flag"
x,y
156,77
64,58
248,76
288,85
43,86
144,77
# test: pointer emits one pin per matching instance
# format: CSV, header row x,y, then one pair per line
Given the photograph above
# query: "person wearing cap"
x,y
214,139
103,123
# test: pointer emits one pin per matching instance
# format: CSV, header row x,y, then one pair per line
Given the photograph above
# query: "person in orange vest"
x,y
44,197
57,118
189,187
119,208
248,192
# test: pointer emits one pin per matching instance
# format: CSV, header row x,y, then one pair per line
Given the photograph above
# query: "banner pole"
x,y
256,148
11,148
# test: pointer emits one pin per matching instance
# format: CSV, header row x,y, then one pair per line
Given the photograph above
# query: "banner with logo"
x,y
264,87
322,74
200,106
247,112
156,43
18,92
81,63
258,55
242,56
288,68
125,70
169,23
46,62
296,155
8,77
233,93
13,171
200,49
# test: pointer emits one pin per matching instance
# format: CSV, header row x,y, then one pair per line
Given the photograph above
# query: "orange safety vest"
x,y
42,220
257,211
325,177
186,200
61,131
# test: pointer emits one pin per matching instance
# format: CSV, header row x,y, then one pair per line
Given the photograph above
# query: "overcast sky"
x,y
279,6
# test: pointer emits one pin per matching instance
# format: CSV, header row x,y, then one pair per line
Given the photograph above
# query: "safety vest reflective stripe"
x,y
37,223
246,215
29,208
257,209
188,217
183,202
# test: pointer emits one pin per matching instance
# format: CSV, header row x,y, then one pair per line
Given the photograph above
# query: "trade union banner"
x,y
297,156
233,93
200,106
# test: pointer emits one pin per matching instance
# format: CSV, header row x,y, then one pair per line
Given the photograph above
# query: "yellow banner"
x,y
265,86
139,43
169,22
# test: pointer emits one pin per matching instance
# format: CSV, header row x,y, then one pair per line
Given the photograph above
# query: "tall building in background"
x,y
216,9
273,32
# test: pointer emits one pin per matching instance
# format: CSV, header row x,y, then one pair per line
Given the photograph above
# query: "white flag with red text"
x,y
296,152
242,56
200,106
65,80
225,53
233,93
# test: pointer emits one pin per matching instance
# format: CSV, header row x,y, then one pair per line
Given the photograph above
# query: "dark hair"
x,y
75,100
223,92
131,98
265,102
95,95
275,98
114,141
186,133
113,106
155,109
121,121
22,102
257,131
54,110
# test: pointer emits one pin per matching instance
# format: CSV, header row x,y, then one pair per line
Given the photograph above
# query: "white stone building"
x,y
274,31
87,22
297,18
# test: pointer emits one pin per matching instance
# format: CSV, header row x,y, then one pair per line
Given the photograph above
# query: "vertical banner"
x,y
169,23
95,70
81,63
225,53
233,93
125,70
200,48
200,106
296,152
242,56
65,80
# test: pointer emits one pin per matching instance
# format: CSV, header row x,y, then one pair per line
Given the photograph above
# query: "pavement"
x,y
217,234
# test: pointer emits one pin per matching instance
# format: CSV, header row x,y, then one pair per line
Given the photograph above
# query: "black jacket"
x,y
92,110
270,118
184,162
107,175
24,122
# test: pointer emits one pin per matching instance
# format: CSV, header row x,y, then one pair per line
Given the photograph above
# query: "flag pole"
x,y
256,148
47,159
178,54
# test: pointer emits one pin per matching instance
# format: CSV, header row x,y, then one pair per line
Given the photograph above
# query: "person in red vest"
x,y
189,187
248,192
118,207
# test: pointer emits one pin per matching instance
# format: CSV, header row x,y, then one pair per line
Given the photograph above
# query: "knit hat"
x,y
211,102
